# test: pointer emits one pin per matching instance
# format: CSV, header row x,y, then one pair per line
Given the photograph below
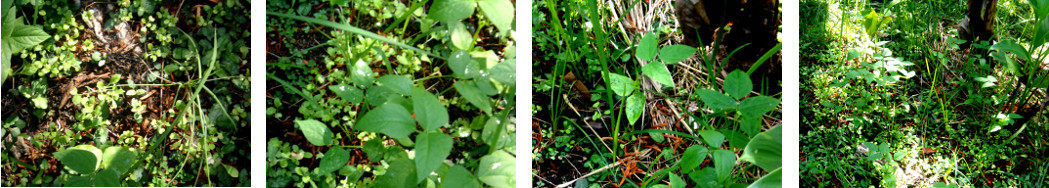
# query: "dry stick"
x,y
566,184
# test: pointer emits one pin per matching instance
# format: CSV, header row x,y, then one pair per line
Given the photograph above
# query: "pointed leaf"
x,y
765,150
400,84
498,170
457,176
621,85
724,161
676,53
428,110
713,138
119,159
473,95
635,107
716,100
692,157
316,132
499,12
646,49
390,119
334,159
348,93
431,150
83,159
658,71
754,107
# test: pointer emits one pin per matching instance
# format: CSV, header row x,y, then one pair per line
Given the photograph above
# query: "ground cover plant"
x,y
922,94
656,94
378,93
125,93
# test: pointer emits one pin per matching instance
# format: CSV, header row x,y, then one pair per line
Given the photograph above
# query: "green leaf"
x,y
463,65
750,125
738,85
1011,47
473,95
676,53
431,149
705,178
621,85
374,149
23,36
400,84
499,12
754,107
646,49
460,37
401,173
713,138
498,170
505,72
361,74
118,159
635,107
5,66
457,176
451,10
658,71
316,132
106,178
83,159
390,119
348,93
773,179
716,100
339,2
692,157
334,159
114,79
676,181
428,110
765,150
724,161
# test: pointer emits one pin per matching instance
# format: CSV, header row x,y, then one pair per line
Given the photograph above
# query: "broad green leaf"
x,y
348,93
716,100
428,110
676,181
765,150
499,12
118,159
754,107
773,179
505,72
497,169
431,149
724,161
24,36
658,71
735,138
400,84
676,53
646,49
750,125
463,65
705,178
738,85
361,74
5,66
635,107
390,119
621,85
713,138
457,176
451,10
460,37
401,173
83,159
692,157
1011,47
106,178
473,95
316,132
334,159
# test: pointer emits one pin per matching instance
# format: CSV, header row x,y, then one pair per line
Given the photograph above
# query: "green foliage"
x,y
16,36
97,168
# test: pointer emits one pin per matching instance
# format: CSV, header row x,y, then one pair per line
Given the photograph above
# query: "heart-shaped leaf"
x,y
390,119
724,161
316,132
430,150
646,49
